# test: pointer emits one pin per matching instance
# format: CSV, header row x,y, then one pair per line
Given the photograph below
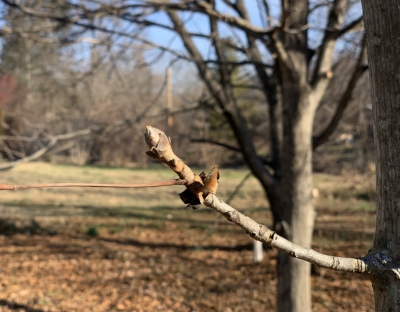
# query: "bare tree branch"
x,y
161,149
52,142
173,111
268,19
76,20
227,146
17,138
212,228
225,102
284,12
248,86
270,91
359,69
322,72
219,49
7,150
208,9
34,156
282,54
240,63
350,27
270,238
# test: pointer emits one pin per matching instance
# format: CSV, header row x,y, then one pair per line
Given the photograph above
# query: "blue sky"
x,y
199,23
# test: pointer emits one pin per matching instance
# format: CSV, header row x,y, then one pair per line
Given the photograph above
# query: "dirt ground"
x,y
136,250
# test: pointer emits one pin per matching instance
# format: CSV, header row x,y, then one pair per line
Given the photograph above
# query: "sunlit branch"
x,y
161,149
270,238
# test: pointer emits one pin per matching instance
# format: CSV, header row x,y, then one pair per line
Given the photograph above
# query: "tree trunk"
x,y
2,132
294,292
1,122
382,26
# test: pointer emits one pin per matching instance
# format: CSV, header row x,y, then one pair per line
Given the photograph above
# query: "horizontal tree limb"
x,y
46,148
263,234
17,138
371,265
227,146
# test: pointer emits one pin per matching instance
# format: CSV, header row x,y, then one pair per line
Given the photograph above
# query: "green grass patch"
x,y
92,231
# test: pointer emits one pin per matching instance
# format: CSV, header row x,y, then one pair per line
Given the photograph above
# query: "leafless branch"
x,y
173,111
208,9
247,86
359,69
17,138
52,142
227,146
284,12
219,49
239,63
7,150
225,102
282,54
77,21
264,6
230,4
356,24
211,229
269,87
161,149
322,72
270,238
318,5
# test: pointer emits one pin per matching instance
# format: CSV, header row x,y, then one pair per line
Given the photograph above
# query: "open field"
x,y
91,249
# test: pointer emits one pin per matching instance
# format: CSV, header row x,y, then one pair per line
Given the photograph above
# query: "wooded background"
x,y
284,91
59,83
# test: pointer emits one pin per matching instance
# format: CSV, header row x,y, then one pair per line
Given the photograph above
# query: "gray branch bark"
x,y
263,234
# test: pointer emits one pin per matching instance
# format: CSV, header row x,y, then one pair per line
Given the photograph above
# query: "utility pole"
x,y
170,119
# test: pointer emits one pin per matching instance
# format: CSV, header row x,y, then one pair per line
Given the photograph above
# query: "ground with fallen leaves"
x,y
139,250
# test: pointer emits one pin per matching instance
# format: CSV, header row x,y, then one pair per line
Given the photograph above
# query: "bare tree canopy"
x,y
266,67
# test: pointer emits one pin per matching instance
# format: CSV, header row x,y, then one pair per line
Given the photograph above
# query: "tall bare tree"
x,y
293,82
382,23
293,75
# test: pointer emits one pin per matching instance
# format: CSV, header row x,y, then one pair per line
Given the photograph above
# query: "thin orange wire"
x,y
15,187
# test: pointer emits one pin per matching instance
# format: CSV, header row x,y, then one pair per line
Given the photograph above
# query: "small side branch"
x,y
15,187
359,69
161,149
323,72
263,234
282,54
53,141
227,146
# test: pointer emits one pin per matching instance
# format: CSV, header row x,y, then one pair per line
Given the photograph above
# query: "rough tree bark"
x,y
297,210
382,26
297,217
